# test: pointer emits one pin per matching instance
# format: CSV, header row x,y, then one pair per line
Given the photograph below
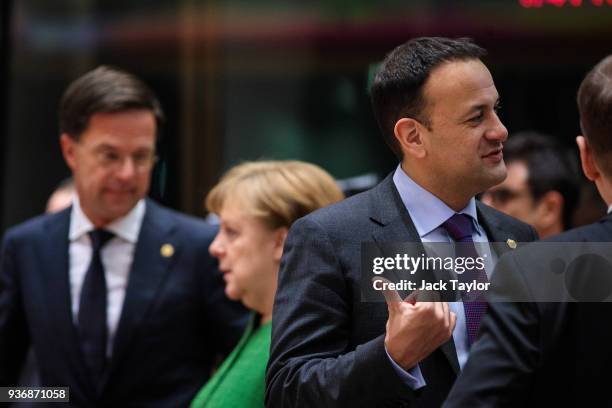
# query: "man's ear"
x,y
550,209
408,134
68,146
279,242
589,167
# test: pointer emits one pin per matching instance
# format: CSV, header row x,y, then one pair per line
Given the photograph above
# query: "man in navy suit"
x,y
436,104
554,353
117,295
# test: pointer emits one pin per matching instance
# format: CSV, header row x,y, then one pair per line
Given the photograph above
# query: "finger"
x,y
392,298
425,296
446,310
434,296
439,309
453,320
412,297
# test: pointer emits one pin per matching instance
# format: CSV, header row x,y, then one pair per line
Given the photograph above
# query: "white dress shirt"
x,y
117,256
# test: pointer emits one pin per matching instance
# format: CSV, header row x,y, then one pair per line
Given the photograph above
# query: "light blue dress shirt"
x,y
428,213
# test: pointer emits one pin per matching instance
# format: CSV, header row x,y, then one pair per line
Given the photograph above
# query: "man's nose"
x,y
127,170
498,131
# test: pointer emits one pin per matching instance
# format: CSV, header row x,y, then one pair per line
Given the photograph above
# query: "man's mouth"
x,y
494,155
126,191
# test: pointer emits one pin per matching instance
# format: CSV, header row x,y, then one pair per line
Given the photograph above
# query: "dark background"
x,y
269,79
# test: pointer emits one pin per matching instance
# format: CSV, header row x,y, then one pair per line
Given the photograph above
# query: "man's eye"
x,y
476,119
109,156
141,159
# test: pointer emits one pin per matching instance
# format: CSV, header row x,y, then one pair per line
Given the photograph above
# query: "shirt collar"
x,y
427,211
610,209
126,227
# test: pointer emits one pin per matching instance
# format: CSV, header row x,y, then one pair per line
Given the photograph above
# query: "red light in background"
x,y
562,3
531,3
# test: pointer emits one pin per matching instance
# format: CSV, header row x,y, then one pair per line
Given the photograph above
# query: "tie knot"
x,y
459,227
99,237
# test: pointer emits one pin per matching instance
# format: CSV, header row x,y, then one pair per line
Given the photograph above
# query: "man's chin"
x,y
118,210
493,178
498,173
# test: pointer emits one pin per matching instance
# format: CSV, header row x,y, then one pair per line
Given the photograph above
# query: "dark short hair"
x,y
551,167
397,89
595,107
105,89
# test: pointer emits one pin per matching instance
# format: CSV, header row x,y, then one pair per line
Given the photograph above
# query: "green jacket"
x,y
240,381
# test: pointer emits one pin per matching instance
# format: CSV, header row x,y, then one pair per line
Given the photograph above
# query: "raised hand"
x,y
416,326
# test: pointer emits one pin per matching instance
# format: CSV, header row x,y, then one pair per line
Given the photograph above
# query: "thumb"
x,y
392,298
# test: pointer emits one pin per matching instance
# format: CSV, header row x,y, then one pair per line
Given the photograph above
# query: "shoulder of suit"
x,y
35,226
598,231
181,220
347,210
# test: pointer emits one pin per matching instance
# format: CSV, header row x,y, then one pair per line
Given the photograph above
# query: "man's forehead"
x,y
120,129
467,82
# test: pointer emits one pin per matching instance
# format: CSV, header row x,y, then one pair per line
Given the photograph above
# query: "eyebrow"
x,y
106,146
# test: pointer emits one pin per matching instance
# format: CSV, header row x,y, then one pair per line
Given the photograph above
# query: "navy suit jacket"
x,y
174,324
542,353
327,345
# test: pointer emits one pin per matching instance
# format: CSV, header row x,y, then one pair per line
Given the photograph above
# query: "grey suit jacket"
x,y
327,346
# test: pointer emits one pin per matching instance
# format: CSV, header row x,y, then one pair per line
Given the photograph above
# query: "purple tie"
x,y
460,228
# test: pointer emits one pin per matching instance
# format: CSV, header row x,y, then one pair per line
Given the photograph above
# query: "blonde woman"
x,y
256,203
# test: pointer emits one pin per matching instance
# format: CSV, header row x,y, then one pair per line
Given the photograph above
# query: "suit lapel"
x,y
497,231
55,264
148,270
388,210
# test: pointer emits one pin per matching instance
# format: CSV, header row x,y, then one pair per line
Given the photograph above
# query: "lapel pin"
x,y
167,250
511,243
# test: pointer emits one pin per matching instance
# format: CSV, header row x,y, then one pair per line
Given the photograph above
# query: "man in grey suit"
x,y
555,353
436,105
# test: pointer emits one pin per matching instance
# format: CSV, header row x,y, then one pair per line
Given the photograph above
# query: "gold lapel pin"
x,y
511,243
167,250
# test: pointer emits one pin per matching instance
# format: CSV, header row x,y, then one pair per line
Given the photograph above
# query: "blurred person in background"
x,y
543,183
256,203
61,198
117,295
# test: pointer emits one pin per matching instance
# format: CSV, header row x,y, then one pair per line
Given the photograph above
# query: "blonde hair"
x,y
277,192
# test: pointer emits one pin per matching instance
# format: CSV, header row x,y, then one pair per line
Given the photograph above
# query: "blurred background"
x,y
275,79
